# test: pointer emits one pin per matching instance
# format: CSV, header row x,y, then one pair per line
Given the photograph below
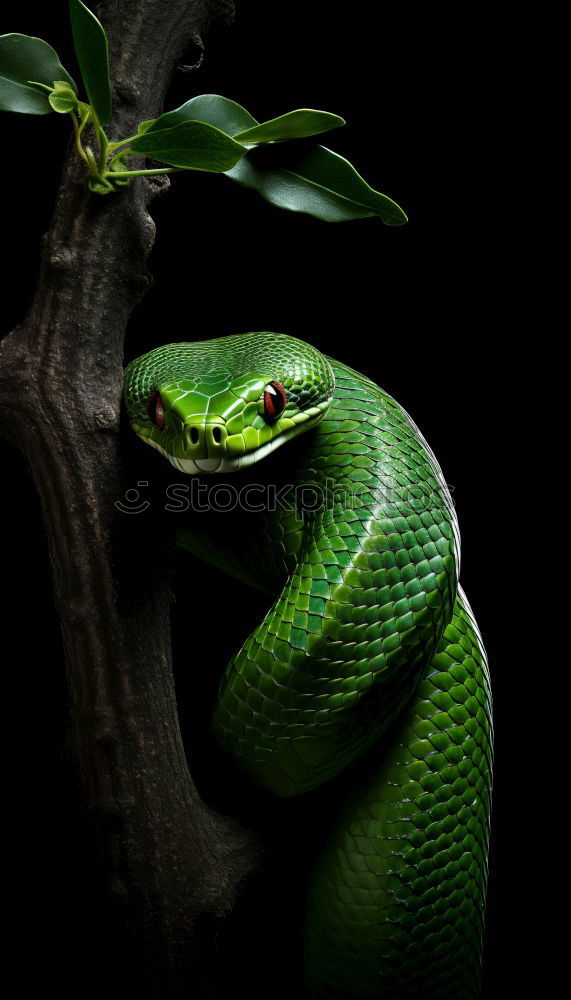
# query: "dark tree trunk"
x,y
169,858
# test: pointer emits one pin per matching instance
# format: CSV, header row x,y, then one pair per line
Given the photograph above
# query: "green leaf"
x,y
313,180
293,125
233,119
219,111
24,58
145,126
62,99
191,145
92,52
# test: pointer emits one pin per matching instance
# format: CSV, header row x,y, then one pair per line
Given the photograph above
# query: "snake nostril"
x,y
217,434
194,435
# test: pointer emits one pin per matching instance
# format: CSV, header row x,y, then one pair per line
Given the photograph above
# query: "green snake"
x,y
369,652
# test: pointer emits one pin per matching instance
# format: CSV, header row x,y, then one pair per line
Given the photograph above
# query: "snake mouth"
x,y
224,463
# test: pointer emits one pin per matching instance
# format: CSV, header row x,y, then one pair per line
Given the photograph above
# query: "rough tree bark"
x,y
170,858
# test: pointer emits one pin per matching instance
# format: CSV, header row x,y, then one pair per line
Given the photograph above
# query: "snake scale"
x,y
369,643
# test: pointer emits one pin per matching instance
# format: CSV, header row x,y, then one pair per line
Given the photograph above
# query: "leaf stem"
x,y
85,111
118,157
93,168
102,142
78,129
120,142
143,173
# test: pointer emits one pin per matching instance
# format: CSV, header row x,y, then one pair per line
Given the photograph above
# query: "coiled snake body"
x,y
369,639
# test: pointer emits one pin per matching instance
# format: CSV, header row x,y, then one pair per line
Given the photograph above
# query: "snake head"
x,y
220,405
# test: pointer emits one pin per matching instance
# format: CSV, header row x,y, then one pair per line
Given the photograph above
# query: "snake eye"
x,y
275,401
156,410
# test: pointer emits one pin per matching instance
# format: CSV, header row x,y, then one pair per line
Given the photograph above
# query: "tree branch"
x,y
170,858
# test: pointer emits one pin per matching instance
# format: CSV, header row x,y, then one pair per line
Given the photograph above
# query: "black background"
x,y
414,308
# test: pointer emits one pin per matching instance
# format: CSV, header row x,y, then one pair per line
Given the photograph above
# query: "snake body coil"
x,y
369,643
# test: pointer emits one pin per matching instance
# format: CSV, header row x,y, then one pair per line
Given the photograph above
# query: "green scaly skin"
x,y
369,642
